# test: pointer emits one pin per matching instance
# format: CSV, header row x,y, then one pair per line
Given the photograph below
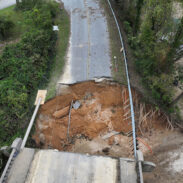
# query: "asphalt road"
x,y
6,3
89,51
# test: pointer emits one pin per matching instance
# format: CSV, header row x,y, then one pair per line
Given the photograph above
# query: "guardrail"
x,y
18,144
130,96
128,82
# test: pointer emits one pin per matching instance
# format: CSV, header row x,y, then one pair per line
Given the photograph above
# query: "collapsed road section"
x,y
97,127
97,110
92,117
87,120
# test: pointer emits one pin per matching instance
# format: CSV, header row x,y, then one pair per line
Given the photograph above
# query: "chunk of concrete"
x,y
128,171
16,144
21,166
148,166
76,105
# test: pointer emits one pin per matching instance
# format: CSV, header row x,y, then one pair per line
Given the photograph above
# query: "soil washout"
x,y
102,110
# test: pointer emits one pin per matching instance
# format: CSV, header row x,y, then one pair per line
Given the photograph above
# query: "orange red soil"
x,y
104,108
101,111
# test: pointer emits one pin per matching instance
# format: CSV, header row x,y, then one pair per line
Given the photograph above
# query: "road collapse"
x,y
98,111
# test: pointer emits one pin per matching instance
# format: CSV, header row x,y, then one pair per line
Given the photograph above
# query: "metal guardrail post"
x,y
31,123
3,177
140,159
16,147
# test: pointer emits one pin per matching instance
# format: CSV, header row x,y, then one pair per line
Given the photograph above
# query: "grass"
x,y
17,17
63,23
118,67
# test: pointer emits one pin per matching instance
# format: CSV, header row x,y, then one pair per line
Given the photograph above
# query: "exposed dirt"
x,y
104,109
168,156
101,111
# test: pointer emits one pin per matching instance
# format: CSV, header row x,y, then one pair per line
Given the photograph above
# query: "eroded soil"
x,y
104,109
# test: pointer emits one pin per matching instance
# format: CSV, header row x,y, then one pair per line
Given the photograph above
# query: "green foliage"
x,y
177,42
131,12
154,37
28,4
23,67
161,88
6,26
153,48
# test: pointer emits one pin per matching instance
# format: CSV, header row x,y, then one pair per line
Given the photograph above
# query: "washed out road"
x,y
89,51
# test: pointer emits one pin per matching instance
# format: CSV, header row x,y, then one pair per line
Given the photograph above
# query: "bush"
x,y
23,67
154,39
161,88
28,4
6,26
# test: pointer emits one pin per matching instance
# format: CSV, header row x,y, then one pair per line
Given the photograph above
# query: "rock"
x,y
42,126
110,134
42,138
106,150
61,113
76,105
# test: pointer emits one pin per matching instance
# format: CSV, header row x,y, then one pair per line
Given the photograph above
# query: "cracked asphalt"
x,y
89,49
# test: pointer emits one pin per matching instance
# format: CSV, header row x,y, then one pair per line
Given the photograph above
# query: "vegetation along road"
x,y
30,53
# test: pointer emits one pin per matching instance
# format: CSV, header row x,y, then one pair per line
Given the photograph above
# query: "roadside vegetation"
x,y
63,22
27,65
155,37
117,60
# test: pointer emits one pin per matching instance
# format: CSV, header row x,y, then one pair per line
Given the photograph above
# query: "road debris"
x,y
76,105
110,135
55,28
69,121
